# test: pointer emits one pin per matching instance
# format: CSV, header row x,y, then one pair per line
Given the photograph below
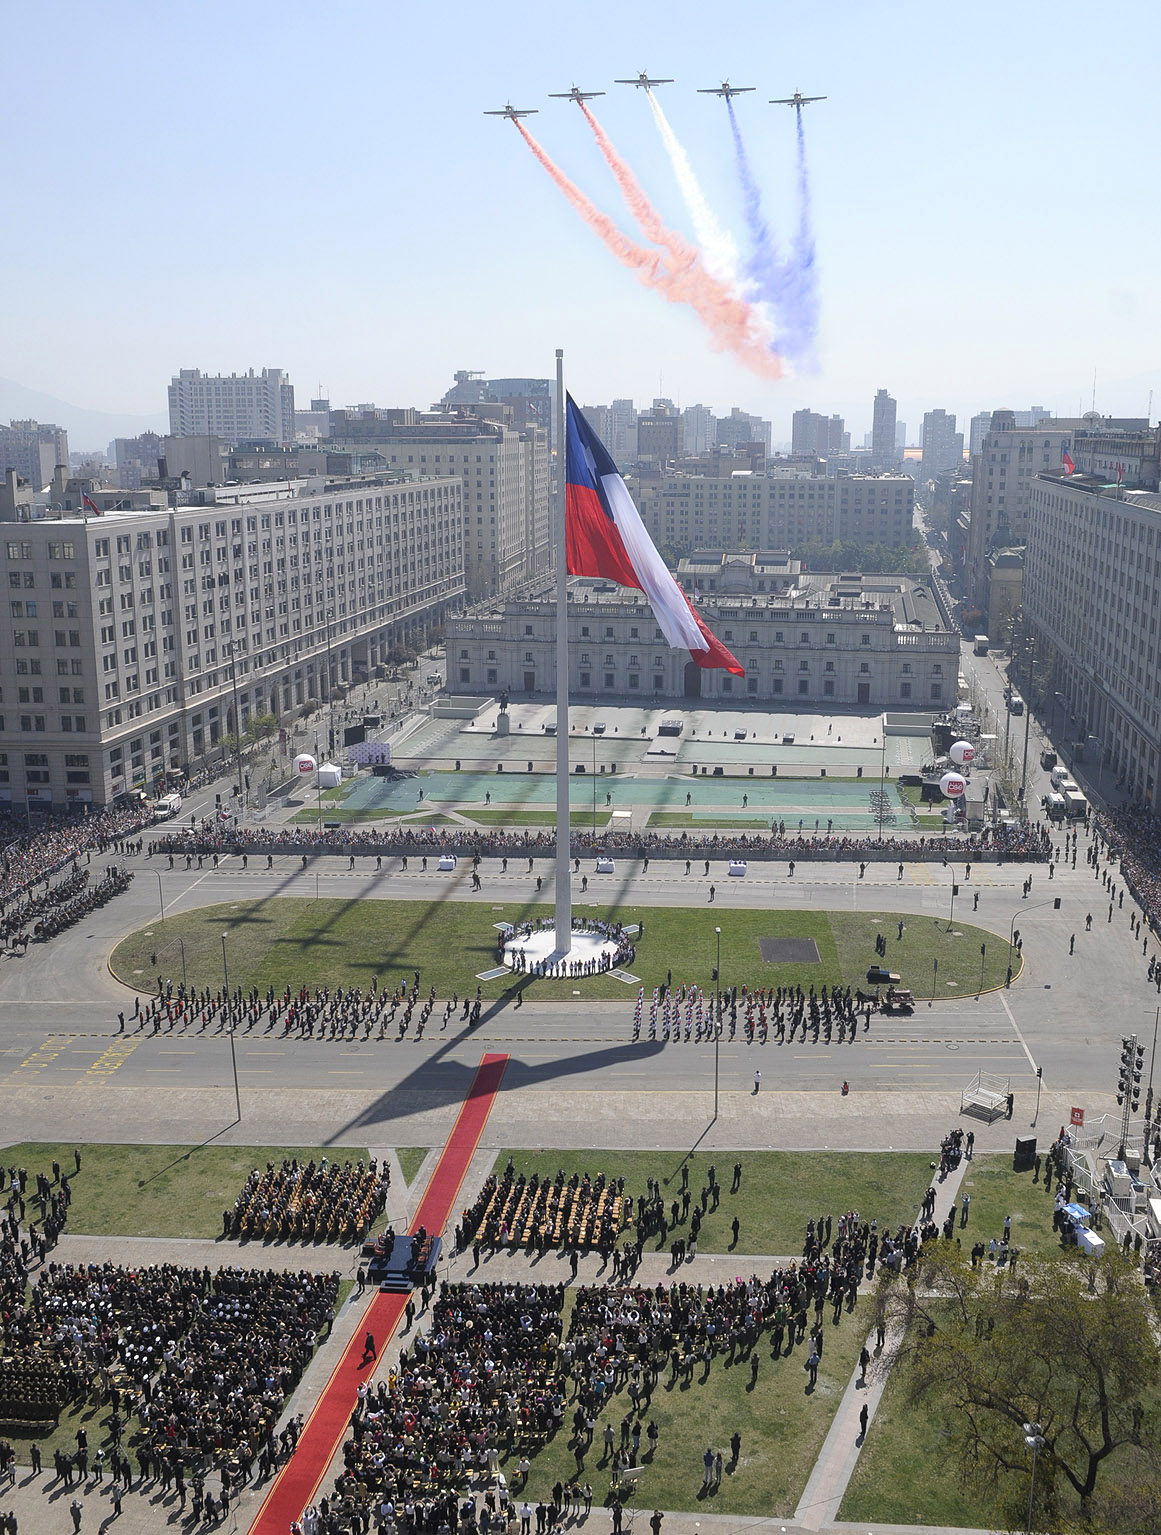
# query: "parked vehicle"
x,y
1075,805
898,1000
980,646
1047,760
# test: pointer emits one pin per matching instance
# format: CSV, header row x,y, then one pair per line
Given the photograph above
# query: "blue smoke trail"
x,y
786,284
803,257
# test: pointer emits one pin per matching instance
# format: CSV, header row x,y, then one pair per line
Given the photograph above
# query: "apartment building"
x,y
243,407
126,635
1092,595
747,510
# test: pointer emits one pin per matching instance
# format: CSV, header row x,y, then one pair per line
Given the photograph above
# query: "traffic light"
x,y
1138,1067
1056,904
1126,1087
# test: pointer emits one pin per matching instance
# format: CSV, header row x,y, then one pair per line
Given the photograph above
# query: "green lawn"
x,y
735,820
411,1159
157,1191
780,1192
345,942
782,1430
996,1191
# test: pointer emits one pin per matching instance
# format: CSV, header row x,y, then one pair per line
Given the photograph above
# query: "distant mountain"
x,y
87,429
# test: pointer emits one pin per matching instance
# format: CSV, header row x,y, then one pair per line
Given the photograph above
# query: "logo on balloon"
x,y
952,785
304,763
962,753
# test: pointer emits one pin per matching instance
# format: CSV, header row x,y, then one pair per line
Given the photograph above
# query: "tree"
x,y
1064,1342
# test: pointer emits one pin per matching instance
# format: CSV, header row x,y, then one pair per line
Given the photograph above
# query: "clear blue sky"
x,y
314,187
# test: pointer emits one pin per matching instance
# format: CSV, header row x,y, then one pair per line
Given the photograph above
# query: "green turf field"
x,y
281,940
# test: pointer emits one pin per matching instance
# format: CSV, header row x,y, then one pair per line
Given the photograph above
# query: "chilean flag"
x,y
1066,456
88,504
606,537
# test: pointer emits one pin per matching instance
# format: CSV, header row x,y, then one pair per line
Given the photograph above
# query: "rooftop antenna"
x,y
1149,412
1094,391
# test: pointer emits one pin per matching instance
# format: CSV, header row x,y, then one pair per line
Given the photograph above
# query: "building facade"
x,y
941,444
245,407
33,449
125,636
504,474
700,428
1003,473
1092,593
883,436
860,641
818,435
778,512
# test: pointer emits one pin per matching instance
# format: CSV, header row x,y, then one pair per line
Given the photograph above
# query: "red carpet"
x,y
297,1483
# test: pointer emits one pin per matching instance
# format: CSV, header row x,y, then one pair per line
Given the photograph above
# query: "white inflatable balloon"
x,y
304,763
952,785
962,753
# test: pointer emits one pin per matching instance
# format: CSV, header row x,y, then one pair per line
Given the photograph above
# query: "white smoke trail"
x,y
718,251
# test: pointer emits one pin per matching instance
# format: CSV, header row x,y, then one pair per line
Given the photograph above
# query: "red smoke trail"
x,y
680,280
639,205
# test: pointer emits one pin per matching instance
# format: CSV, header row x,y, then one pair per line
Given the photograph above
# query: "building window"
x,y
864,639
610,680
804,666
830,666
528,629
751,684
491,676
830,638
465,674
904,690
658,683
727,684
491,655
937,690
586,679
907,668
828,689
937,670
463,655
634,680
778,684
864,667
804,637
804,685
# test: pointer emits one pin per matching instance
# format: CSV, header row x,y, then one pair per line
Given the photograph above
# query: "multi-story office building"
x,y
818,435
127,637
1092,592
597,417
883,445
942,445
740,427
245,407
137,460
823,642
622,438
530,401
504,473
660,435
33,449
1002,476
700,427
749,510
1126,452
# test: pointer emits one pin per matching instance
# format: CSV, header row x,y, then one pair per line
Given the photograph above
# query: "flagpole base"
x,y
537,952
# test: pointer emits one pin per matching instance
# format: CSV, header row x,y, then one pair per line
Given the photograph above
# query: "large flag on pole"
x,y
605,537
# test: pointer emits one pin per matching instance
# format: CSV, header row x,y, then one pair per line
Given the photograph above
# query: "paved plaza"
x,y
576,1077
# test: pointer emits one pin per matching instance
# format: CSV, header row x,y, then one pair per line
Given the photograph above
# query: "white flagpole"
x,y
563,840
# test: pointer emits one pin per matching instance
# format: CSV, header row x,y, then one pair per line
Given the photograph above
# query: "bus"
x,y
980,646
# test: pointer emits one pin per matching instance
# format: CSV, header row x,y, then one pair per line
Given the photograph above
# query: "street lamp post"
x,y
882,771
717,1013
330,689
1034,1439
160,895
1149,1092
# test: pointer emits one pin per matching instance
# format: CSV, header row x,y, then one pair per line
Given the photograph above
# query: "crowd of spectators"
x,y
483,1381
538,1213
27,858
1005,840
309,1202
1135,832
204,1362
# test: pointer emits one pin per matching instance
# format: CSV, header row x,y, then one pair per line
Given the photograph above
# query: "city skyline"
x,y
943,176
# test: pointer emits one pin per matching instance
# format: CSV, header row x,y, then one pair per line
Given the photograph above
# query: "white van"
x,y
168,805
1054,807
1059,775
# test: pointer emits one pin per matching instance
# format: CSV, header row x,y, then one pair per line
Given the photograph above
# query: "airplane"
x,y
725,89
643,82
511,112
797,100
576,94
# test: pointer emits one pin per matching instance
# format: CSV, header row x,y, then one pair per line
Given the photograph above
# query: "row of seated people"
x,y
205,1361
311,1202
484,1380
519,1211
419,1246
